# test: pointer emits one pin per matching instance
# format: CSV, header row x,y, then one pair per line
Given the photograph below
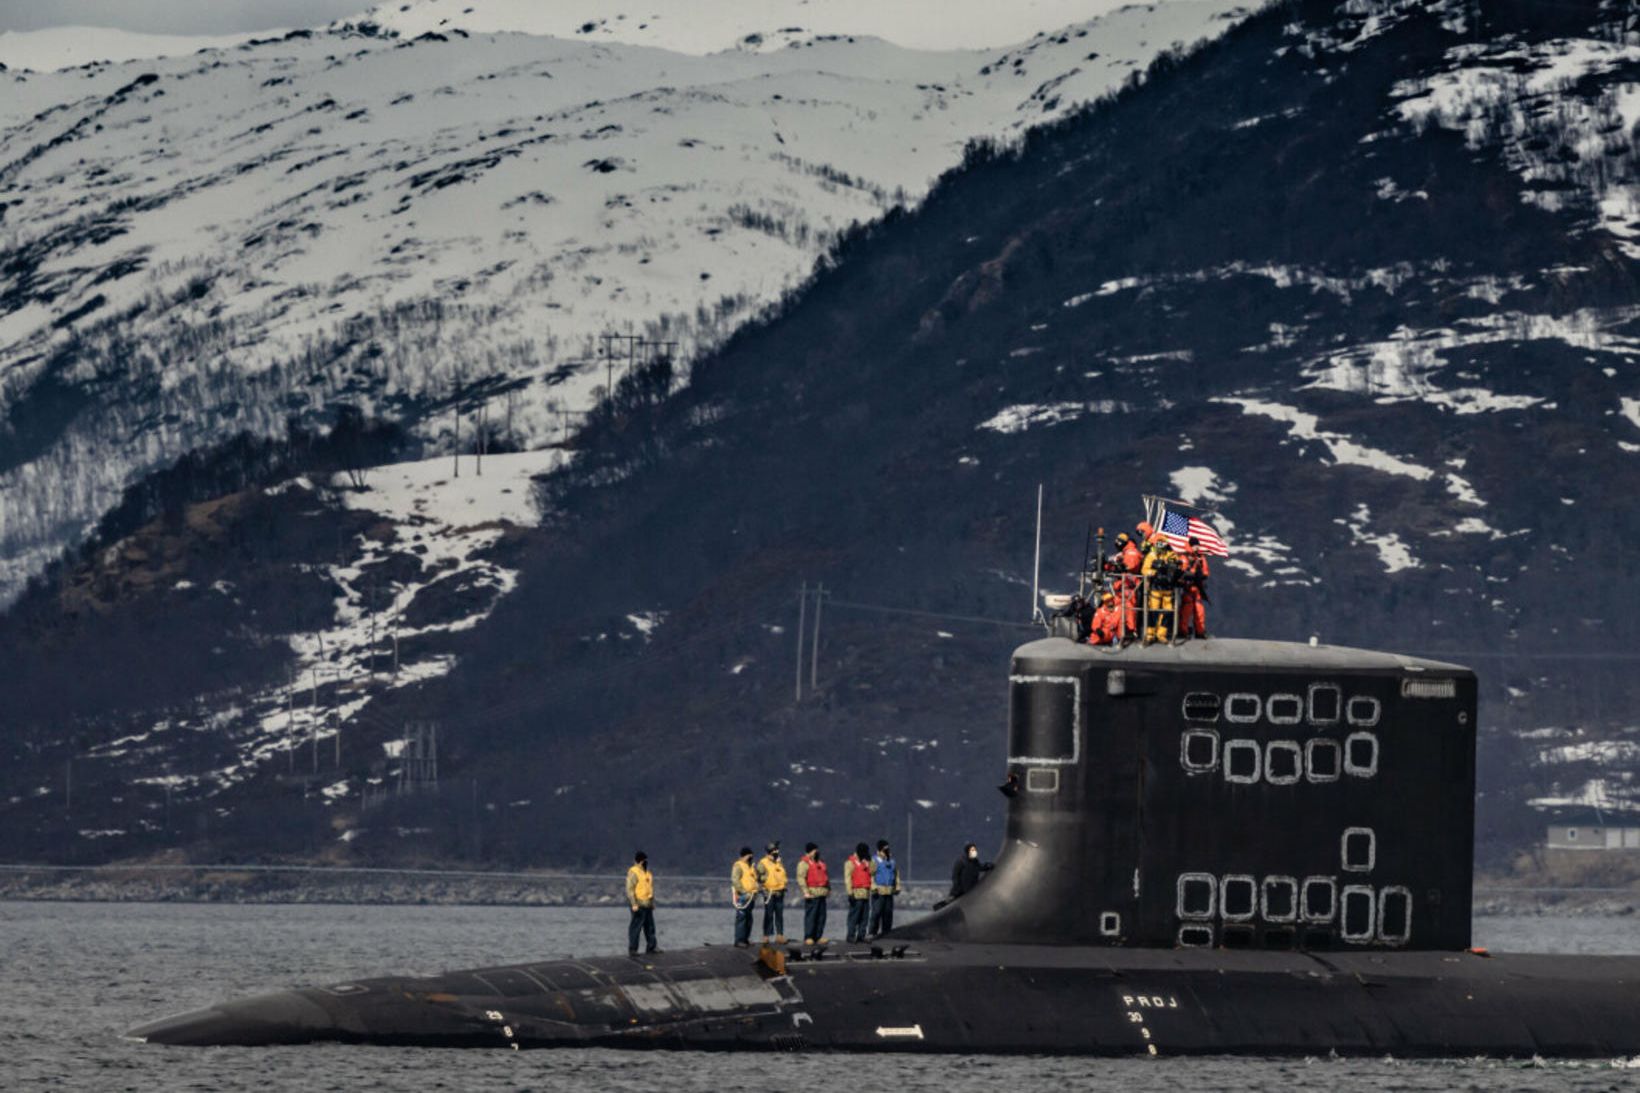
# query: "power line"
x,y
919,613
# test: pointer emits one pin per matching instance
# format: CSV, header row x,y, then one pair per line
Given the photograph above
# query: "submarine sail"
x,y
1235,794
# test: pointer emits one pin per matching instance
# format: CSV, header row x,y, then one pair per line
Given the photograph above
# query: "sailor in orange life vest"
x,y
743,889
640,896
812,878
1126,563
857,879
1106,626
1194,572
772,876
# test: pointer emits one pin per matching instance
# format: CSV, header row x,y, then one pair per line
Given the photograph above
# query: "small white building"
x,y
1593,836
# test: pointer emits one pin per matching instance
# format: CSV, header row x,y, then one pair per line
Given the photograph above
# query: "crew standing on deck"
x,y
1161,569
815,882
966,874
640,896
885,885
772,875
1193,574
1123,566
743,889
857,879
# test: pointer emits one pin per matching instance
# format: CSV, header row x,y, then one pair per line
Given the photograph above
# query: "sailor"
x,y
743,889
1080,611
1193,574
640,896
815,882
772,876
857,878
1125,563
1106,625
885,885
1160,569
966,874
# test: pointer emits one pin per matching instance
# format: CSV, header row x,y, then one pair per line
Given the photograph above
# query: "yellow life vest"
x,y
774,875
744,878
643,884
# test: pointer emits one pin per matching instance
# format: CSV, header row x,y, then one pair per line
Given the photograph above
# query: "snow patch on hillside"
x,y
1201,487
1393,553
1400,368
1594,793
1592,751
453,493
1022,416
1260,556
1304,427
1569,150
435,521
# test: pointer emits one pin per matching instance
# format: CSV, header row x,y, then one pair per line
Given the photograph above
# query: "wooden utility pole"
x,y
313,721
814,648
909,832
802,606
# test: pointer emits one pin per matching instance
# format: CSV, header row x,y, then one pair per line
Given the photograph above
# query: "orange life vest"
x,y
859,874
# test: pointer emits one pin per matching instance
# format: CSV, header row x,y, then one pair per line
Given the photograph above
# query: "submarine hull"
x,y
976,998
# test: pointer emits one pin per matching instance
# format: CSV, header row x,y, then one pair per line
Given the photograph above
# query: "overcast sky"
x,y
174,16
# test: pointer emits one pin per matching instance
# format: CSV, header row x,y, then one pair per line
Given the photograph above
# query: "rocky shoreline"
x,y
256,884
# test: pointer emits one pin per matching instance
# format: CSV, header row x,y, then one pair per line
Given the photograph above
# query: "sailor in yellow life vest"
x,y
640,896
743,889
772,875
1161,570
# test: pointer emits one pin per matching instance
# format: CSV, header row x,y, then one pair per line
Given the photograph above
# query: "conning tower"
x,y
1234,793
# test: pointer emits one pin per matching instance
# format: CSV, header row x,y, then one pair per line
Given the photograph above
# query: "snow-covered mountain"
x,y
708,26
215,244
1361,275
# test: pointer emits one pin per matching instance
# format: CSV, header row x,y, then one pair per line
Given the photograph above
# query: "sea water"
x,y
77,975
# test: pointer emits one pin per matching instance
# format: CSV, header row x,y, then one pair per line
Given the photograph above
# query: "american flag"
x,y
1177,528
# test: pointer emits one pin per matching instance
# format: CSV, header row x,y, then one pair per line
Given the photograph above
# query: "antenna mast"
x,y
1036,569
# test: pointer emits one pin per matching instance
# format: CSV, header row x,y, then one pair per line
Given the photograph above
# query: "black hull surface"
x,y
977,998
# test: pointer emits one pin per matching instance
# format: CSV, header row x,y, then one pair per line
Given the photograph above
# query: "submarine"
x,y
1221,847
